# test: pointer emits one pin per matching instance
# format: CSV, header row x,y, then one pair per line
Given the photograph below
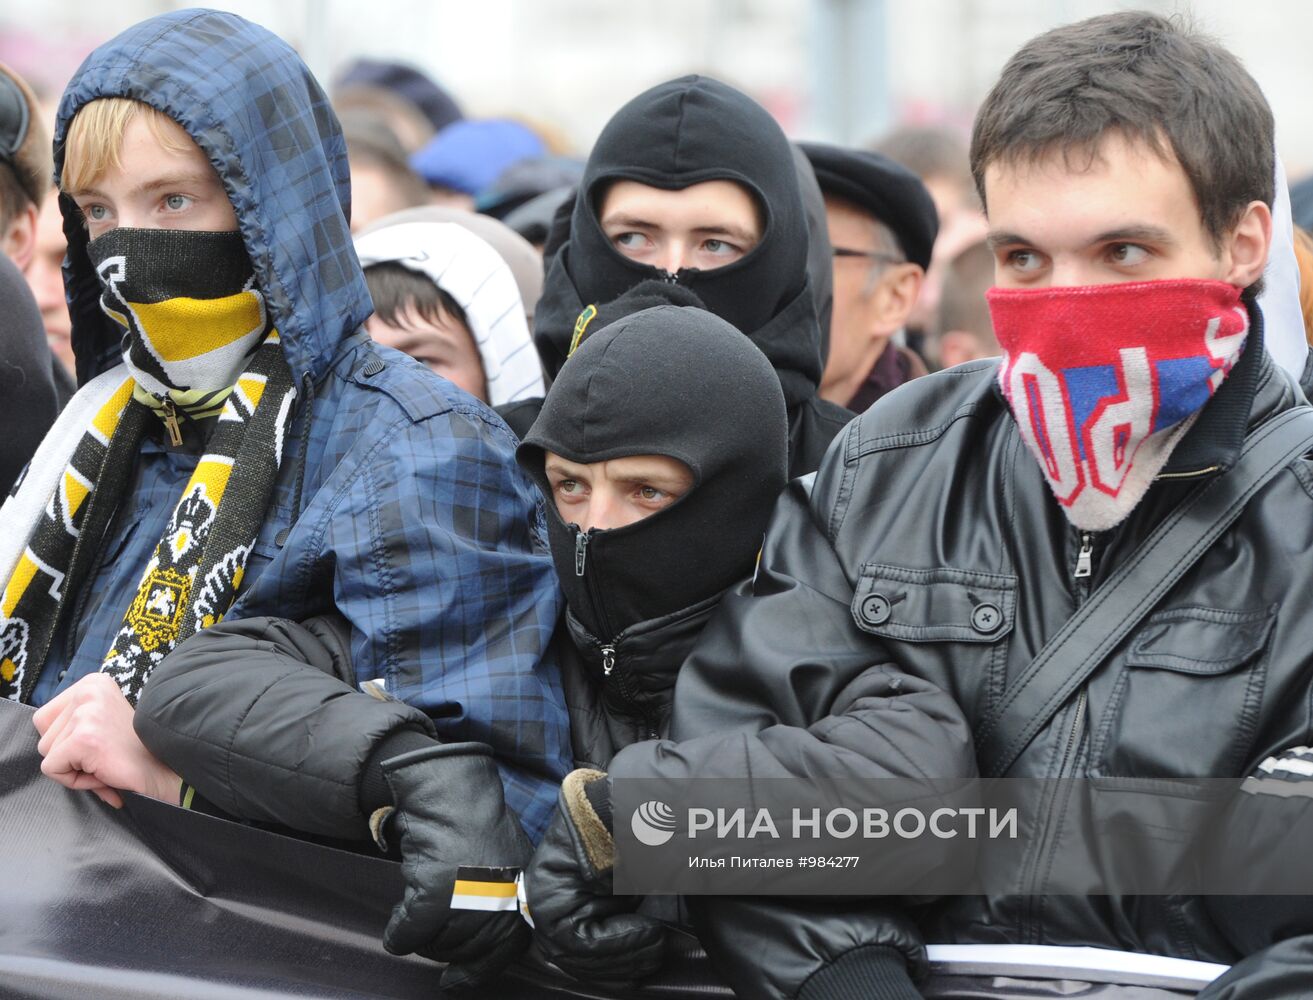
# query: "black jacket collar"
x,y
1213,443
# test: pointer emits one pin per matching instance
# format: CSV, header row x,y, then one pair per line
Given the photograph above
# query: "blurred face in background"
x,y
45,278
875,289
961,223
372,195
436,339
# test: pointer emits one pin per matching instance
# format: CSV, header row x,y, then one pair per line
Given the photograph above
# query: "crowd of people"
x,y
393,478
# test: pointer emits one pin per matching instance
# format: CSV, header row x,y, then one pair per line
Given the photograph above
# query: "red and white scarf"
x,y
1105,380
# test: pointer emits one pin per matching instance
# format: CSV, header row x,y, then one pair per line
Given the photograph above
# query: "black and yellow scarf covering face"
x,y
197,343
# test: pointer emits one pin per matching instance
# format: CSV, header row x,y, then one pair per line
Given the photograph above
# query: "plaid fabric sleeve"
x,y
441,568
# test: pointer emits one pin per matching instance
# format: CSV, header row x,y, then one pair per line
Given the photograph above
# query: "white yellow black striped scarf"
x,y
191,326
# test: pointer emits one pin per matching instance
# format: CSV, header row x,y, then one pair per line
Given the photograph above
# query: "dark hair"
x,y
14,198
394,286
1150,78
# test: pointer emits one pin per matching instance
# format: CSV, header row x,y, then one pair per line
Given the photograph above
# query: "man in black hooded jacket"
x,y
676,137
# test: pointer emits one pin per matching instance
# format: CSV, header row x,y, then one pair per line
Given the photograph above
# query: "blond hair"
x,y
94,143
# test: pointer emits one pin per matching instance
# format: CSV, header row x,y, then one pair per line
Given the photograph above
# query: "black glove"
x,y
450,811
590,933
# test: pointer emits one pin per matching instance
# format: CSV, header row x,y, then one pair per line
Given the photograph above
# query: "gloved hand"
x,y
450,811
588,932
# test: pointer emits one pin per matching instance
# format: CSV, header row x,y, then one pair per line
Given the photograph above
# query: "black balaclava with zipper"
x,y
680,382
676,134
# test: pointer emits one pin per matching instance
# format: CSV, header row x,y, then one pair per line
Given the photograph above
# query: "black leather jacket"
x,y
926,503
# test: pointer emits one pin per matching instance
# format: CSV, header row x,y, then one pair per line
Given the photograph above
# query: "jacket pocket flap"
x,y
934,605
1198,640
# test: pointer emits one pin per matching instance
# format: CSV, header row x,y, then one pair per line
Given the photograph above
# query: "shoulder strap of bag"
x,y
1123,600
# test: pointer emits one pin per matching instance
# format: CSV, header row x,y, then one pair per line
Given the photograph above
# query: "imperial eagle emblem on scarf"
x,y
154,620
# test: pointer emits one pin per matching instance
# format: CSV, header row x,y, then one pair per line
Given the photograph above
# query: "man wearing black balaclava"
x,y
661,448
693,182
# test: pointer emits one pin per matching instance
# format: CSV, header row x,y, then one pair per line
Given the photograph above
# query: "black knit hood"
x,y
674,381
680,133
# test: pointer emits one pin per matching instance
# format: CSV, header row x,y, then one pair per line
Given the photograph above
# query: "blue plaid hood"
x,y
398,504
250,103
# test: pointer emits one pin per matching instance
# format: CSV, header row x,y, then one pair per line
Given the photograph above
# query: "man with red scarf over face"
x,y
1126,165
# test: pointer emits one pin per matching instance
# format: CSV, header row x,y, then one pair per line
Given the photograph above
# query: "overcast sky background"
x,y
842,70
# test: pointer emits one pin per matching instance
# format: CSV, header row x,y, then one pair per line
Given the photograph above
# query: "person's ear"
x,y
18,242
895,295
1246,247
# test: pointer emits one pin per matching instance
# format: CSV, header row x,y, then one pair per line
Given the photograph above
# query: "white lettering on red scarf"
x,y
1104,381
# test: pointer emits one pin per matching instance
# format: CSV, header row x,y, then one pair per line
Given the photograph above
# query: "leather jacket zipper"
x,y
626,693
1082,574
1085,558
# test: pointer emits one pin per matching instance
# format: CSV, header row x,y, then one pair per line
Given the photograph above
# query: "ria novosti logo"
x,y
653,823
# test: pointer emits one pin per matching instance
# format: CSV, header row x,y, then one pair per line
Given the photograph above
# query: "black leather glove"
x,y
450,811
580,926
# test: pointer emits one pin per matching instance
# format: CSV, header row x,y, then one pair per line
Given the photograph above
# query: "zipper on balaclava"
x,y
580,550
612,672
591,582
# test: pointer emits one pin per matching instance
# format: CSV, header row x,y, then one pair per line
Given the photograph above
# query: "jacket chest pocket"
x,y
954,621
1186,701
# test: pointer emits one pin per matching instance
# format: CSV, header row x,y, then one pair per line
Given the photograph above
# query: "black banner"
x,y
153,902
